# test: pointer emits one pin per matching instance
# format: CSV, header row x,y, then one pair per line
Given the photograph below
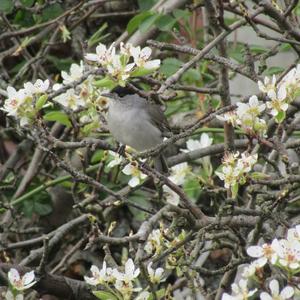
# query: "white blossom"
x,y
76,72
14,101
103,56
234,169
141,56
205,141
264,253
130,272
100,276
288,252
246,116
118,70
70,100
228,117
117,159
267,85
155,275
137,176
286,293
251,109
126,289
246,162
179,173
240,291
229,175
125,49
154,242
57,86
251,269
230,158
10,296
291,80
278,103
21,283
39,87
294,233
144,295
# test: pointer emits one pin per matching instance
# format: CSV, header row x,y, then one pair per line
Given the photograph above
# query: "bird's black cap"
x,y
123,91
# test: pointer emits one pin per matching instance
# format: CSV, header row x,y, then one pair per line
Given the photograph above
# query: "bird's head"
x,y
118,92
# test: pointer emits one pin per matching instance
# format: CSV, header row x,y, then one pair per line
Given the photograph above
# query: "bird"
x,y
134,121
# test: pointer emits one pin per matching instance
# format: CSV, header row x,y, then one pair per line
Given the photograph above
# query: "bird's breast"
x,y
133,127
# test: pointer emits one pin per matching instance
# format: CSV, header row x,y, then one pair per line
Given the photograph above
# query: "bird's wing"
x,y
158,118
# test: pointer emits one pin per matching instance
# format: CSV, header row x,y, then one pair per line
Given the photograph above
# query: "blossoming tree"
x,y
83,218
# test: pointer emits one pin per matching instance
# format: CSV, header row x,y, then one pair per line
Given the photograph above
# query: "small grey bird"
x,y
135,122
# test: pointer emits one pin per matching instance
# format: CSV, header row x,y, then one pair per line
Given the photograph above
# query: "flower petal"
x,y
127,170
152,64
287,292
134,181
28,277
129,266
90,280
274,287
265,296
91,57
13,276
255,251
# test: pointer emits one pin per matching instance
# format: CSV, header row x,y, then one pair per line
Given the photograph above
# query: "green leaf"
x,y
39,204
59,117
192,188
165,23
234,190
274,70
105,82
229,21
141,72
259,175
296,93
24,18
14,70
280,116
42,207
236,52
285,47
215,103
41,102
51,12
135,22
146,5
160,294
87,129
28,208
102,295
297,10
98,36
62,64
170,66
181,14
191,76
97,156
27,3
148,23
258,49
6,6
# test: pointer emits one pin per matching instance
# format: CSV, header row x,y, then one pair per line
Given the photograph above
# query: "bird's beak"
x,y
108,95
